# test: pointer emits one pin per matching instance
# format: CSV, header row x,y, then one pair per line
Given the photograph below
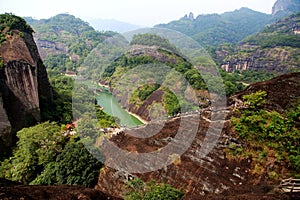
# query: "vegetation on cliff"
x,y
139,190
74,166
153,40
282,33
37,146
9,22
270,139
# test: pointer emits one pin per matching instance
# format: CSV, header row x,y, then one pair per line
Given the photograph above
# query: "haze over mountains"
x,y
112,25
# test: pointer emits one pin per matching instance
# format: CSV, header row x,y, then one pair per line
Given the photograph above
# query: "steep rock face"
x,y
270,59
275,49
24,82
143,110
288,6
5,126
196,176
20,92
213,176
48,47
282,91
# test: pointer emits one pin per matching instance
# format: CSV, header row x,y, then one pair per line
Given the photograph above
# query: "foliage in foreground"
x,y
45,156
138,190
37,146
74,166
269,135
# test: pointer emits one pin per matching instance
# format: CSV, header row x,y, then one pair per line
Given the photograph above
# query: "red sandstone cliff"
x,y
213,176
24,84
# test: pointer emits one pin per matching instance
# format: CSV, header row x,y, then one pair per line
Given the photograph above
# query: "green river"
x,y
112,107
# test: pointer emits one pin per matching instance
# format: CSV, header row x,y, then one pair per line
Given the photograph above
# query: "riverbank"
x,y
138,117
102,85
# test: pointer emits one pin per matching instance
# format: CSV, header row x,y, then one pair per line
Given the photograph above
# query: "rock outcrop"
x,y
275,49
15,190
286,6
282,92
278,59
192,173
213,176
24,84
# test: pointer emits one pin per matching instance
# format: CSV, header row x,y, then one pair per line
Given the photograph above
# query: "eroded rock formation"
x,y
24,85
288,6
213,176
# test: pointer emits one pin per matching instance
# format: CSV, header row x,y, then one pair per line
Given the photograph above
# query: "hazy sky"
x,y
140,12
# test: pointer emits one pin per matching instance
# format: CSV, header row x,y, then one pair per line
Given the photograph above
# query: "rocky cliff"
x,y
278,59
213,176
286,86
274,49
286,6
24,84
15,190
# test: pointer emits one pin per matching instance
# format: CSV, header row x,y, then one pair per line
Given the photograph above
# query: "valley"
x,y
203,107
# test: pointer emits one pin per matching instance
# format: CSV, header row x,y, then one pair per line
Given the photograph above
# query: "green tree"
x,y
10,22
37,146
74,166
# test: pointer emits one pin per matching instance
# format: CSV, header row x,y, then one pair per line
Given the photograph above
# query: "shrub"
x,y
138,190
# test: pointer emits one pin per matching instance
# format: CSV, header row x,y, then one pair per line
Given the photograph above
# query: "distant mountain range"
x,y
112,25
212,30
67,40
215,29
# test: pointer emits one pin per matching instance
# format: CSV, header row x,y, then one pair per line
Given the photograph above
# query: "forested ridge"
x,y
64,41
